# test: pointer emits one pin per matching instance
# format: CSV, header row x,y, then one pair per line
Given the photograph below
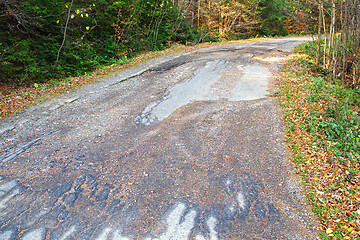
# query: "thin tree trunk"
x,y
333,45
66,25
326,36
318,57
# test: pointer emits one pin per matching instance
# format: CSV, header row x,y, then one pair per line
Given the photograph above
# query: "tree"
x,y
338,52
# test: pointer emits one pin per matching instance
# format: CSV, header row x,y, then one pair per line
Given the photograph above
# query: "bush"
x,y
98,33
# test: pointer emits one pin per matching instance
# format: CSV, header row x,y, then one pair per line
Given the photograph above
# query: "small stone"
x,y
70,100
63,215
71,198
31,109
260,210
6,129
103,195
57,192
91,181
54,107
81,179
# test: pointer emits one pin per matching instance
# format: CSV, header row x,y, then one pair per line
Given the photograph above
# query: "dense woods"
x,y
337,51
43,39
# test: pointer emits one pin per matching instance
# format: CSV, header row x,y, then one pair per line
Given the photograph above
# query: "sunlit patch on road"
x,y
249,83
197,88
253,84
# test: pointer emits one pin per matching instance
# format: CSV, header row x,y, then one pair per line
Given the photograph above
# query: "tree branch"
x,y
66,25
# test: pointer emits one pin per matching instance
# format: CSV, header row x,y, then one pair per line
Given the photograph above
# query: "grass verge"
x,y
323,133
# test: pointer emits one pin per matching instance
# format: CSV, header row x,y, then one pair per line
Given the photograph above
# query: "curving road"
x,y
186,146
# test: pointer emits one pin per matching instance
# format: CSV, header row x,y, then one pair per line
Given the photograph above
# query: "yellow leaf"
x,y
57,21
350,229
82,15
77,11
87,28
94,4
346,238
72,16
329,230
87,15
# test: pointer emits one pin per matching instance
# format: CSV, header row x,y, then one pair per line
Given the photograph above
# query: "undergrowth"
x,y
323,132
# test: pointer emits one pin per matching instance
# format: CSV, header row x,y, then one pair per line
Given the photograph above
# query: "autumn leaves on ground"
x,y
15,98
323,128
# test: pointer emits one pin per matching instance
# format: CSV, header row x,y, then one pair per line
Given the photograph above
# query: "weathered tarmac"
x,y
185,146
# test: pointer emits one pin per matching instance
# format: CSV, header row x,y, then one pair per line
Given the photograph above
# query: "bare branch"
x,y
66,25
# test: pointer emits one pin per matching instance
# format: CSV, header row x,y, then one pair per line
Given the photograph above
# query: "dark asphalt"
x,y
186,146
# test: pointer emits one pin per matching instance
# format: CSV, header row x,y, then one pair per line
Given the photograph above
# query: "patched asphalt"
x,y
185,146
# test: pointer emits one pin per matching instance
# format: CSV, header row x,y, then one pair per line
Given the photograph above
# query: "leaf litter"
x,y
330,174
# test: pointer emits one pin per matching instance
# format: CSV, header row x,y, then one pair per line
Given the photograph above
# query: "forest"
x,y
43,39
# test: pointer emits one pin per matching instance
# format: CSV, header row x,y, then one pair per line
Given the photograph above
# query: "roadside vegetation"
x,y
320,94
43,41
50,47
15,98
322,118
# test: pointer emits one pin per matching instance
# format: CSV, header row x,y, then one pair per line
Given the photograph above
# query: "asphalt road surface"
x,y
186,146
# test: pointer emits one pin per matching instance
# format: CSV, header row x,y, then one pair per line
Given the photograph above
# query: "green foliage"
x,y
103,32
17,60
343,122
98,33
272,15
323,125
342,118
344,69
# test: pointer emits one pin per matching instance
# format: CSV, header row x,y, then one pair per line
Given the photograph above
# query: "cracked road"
x,y
185,146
